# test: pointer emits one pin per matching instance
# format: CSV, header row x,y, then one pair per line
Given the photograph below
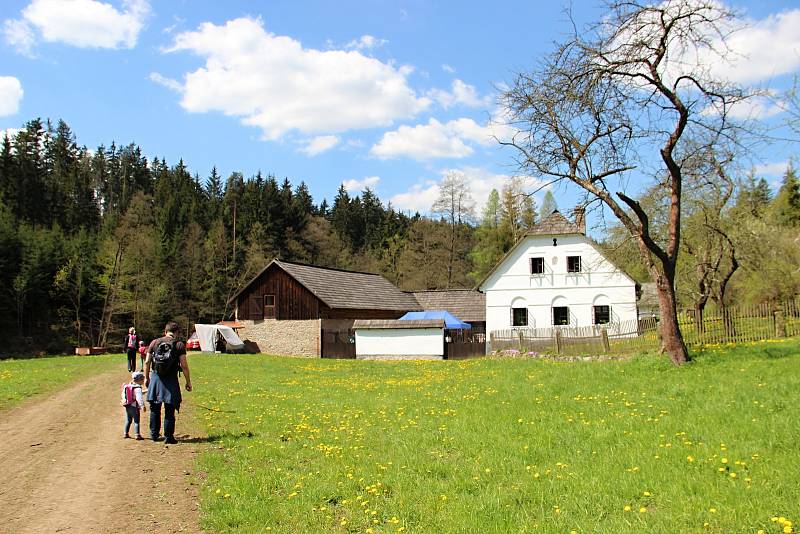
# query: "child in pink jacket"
x,y
133,401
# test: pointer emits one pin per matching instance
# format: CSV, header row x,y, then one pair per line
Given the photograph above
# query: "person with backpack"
x,y
133,402
166,357
131,344
142,353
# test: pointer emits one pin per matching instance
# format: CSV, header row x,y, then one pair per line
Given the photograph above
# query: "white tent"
x,y
207,335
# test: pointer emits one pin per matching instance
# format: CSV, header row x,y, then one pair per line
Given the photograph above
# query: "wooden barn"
x,y
302,310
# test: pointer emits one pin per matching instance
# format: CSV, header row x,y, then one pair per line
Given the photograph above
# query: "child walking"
x,y
142,353
132,401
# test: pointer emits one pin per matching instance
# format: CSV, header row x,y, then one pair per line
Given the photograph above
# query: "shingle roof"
x,y
466,304
383,324
555,224
349,289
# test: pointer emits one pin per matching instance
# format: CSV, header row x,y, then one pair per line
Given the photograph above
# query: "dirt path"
x,y
64,467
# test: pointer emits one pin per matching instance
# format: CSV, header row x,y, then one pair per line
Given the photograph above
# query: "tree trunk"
x,y
671,337
699,310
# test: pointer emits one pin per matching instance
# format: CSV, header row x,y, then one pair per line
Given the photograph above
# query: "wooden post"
x,y
604,339
780,323
519,339
557,337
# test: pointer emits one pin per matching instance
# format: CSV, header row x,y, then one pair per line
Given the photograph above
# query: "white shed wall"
x,y
400,342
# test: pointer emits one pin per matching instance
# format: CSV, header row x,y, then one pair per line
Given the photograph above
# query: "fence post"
x,y
780,324
557,337
519,337
604,339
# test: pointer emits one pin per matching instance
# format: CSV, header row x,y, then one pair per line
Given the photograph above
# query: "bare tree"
x,y
455,205
620,97
711,250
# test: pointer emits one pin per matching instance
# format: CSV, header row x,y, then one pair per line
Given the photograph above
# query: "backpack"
x,y
128,395
164,358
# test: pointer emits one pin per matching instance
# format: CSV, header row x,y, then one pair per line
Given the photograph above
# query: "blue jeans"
x,y
155,420
132,416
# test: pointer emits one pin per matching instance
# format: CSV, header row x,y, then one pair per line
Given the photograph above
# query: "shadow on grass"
x,y
216,438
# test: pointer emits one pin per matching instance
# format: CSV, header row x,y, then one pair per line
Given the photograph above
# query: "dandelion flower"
x,y
627,508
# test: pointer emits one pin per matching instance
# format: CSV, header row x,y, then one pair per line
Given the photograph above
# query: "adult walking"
x,y
131,345
165,356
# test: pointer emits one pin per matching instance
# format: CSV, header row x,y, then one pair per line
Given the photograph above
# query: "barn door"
x,y
269,306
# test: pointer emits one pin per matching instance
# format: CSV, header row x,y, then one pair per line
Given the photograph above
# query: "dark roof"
x,y
555,224
345,289
383,324
466,304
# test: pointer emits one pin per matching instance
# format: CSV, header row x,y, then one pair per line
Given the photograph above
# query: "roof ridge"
x,y
284,262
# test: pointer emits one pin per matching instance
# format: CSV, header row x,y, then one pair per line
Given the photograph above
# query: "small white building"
x,y
557,277
399,340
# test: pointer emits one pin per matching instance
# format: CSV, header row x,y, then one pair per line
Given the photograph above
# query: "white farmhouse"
x,y
556,276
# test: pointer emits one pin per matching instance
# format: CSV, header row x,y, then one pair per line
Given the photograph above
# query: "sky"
x,y
386,94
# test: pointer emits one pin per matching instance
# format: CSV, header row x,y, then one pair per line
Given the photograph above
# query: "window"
x,y
560,315
519,316
602,314
573,264
269,306
537,265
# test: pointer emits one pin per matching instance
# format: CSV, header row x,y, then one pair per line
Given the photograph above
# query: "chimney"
x,y
580,218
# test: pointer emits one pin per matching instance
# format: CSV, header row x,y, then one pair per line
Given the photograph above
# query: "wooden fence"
x,y
728,325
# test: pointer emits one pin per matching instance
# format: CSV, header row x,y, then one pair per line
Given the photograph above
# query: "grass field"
x,y
494,445
20,379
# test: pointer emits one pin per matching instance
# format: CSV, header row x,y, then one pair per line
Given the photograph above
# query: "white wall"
x,y
598,283
400,342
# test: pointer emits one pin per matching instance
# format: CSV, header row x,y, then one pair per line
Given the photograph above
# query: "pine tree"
x,y
786,206
548,205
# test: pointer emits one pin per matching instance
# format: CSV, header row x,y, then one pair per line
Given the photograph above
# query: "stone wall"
x,y
284,338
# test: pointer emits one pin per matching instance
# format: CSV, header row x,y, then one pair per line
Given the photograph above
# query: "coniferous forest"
x,y
94,241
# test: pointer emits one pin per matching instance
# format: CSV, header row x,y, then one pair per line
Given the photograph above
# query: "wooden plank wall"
x,y
292,300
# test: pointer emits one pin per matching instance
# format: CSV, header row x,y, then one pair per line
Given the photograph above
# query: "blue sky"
x,y
386,94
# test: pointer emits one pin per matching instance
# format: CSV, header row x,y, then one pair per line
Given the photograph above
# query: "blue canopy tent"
x,y
450,321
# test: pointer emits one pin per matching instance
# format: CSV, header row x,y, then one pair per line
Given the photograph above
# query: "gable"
x,y
513,271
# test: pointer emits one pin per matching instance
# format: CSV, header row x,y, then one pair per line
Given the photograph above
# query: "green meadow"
x,y
485,445
501,445
23,378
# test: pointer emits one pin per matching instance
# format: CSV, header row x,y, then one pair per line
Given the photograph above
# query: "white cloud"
x,y
777,168
433,140
81,23
10,95
355,186
461,93
169,83
320,144
10,132
756,108
272,82
753,51
765,48
365,42
20,35
447,68
421,196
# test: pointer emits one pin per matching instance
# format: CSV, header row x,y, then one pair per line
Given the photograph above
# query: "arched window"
x,y
519,312
601,310
560,311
